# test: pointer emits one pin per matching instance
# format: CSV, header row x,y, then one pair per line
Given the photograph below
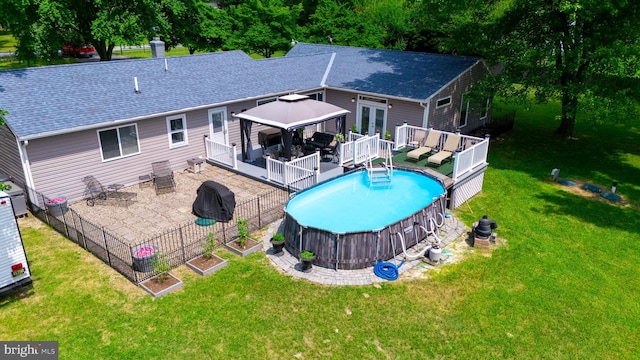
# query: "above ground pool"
x,y
351,222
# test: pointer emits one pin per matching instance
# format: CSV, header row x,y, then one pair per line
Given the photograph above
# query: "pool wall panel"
x,y
357,250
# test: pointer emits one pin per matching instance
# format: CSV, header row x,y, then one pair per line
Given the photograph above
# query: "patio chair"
x,y
330,149
429,145
449,148
418,138
162,176
93,190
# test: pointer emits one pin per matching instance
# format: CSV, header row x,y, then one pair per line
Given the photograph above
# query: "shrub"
x,y
242,232
307,255
161,265
209,246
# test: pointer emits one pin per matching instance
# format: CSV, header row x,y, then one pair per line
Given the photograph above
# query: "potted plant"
x,y
208,262
244,244
387,135
164,282
340,137
57,206
277,241
306,259
142,257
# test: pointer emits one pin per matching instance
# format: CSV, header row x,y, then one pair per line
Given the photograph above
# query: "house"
x,y
113,119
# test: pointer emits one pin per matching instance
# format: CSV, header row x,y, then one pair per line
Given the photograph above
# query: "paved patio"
x,y
150,214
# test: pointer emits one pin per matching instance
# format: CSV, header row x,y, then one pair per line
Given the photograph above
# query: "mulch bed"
x,y
155,285
204,263
248,244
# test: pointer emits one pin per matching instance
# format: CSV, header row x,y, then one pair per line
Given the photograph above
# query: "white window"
x,y
119,142
443,102
266,101
319,96
177,130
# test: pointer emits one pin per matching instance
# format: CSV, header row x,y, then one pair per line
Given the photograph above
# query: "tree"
x,y
341,23
21,18
42,26
2,115
195,25
263,26
574,50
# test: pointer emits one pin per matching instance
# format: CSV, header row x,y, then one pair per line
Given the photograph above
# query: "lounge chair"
x,y
429,145
93,190
162,177
418,138
449,148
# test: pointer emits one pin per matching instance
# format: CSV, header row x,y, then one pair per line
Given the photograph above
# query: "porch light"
x,y
390,106
353,99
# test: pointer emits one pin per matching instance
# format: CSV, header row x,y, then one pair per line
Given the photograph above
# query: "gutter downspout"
x,y
26,167
425,115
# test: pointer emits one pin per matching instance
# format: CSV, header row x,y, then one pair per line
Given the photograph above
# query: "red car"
x,y
70,49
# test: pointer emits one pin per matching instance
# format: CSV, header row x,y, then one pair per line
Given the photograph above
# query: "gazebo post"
x,y
287,139
244,153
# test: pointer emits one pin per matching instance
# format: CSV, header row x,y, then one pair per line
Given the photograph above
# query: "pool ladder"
x,y
381,174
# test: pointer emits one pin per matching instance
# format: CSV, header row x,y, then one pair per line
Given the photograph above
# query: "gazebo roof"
x,y
292,111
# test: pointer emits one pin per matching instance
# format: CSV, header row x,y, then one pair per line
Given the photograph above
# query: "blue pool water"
x,y
350,204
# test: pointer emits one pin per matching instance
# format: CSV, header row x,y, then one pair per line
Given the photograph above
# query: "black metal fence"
x,y
179,244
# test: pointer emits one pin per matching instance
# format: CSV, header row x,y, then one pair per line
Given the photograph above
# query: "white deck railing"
x,y
473,152
298,173
361,148
404,135
366,148
221,153
474,155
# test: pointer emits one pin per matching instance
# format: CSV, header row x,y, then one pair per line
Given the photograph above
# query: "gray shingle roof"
x,y
404,74
51,99
47,100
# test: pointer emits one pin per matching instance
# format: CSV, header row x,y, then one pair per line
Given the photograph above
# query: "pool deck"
x,y
452,232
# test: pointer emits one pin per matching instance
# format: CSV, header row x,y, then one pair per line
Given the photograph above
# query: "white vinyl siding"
x,y
177,130
119,142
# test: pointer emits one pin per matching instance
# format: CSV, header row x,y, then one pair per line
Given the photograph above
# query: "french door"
x,y
372,119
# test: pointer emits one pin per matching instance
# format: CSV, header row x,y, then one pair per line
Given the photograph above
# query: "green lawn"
x,y
7,42
564,287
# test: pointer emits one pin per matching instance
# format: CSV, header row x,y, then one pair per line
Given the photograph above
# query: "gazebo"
x,y
289,113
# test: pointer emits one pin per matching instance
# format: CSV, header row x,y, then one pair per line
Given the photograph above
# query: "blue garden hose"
x,y
387,270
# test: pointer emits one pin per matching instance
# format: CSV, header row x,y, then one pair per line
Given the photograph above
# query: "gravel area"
x,y
149,214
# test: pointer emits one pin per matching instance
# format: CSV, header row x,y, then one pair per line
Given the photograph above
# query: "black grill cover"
x,y
214,201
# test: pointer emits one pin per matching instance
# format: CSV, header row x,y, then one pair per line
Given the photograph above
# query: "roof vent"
x,y
135,84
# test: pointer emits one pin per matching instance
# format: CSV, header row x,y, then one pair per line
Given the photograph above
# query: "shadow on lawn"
x,y
16,295
598,155
590,210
